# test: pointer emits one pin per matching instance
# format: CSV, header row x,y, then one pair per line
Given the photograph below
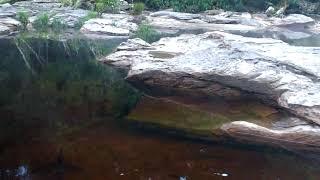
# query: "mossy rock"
x,y
199,119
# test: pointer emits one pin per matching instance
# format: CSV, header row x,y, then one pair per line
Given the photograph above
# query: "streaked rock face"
x,y
8,25
218,64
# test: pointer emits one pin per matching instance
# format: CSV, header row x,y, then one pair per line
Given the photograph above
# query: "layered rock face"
x,y
233,67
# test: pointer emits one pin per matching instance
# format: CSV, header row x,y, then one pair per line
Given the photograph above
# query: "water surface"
x,y
62,116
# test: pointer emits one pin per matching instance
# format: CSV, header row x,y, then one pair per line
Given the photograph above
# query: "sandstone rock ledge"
x,y
233,67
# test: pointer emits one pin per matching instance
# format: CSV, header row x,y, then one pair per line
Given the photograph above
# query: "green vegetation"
x,y
42,22
58,25
90,15
195,6
157,4
192,6
147,33
67,2
23,17
4,1
73,3
102,6
53,84
138,8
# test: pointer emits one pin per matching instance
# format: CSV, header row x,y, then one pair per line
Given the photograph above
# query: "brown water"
x,y
112,151
54,134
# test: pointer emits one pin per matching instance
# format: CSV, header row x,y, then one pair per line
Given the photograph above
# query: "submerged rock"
x,y
233,67
200,116
301,137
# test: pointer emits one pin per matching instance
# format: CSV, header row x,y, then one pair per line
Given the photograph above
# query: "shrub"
x,y
107,5
23,17
157,4
89,16
42,22
192,6
235,5
147,33
138,8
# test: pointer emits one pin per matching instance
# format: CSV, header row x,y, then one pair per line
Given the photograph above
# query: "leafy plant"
x,y
147,33
90,15
42,22
138,8
23,17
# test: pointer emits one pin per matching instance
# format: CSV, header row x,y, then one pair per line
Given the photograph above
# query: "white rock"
x,y
282,73
107,27
270,11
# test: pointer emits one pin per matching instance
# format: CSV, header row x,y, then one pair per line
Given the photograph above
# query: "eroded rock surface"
x,y
218,64
285,74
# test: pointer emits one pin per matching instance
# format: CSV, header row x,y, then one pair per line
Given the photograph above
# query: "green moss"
x,y
170,114
200,118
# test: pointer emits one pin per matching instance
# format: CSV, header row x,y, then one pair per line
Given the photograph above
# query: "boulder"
x,y
280,12
7,10
293,20
270,11
267,67
232,67
124,5
8,25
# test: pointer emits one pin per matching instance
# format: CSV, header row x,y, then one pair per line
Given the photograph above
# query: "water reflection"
x,y
64,120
